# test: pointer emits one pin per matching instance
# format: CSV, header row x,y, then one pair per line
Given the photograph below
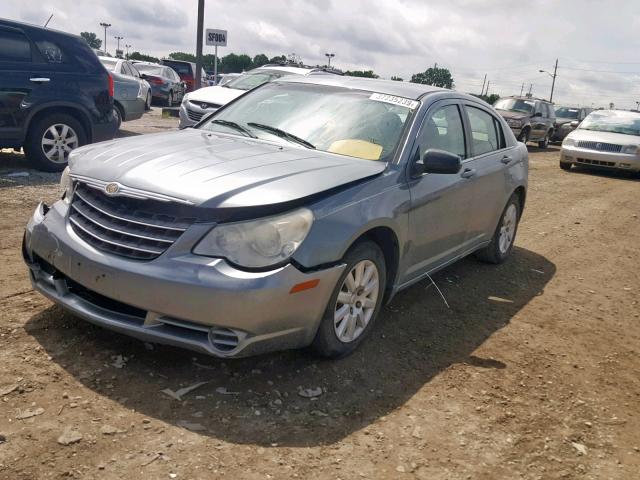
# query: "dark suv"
x,y
55,95
530,119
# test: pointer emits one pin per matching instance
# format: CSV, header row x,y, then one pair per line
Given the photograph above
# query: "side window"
x,y
484,132
125,69
502,143
51,52
15,47
443,130
134,70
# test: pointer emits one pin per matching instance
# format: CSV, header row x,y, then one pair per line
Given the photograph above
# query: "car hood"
x,y
562,121
514,115
217,95
605,137
216,170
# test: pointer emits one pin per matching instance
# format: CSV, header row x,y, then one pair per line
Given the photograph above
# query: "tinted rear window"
x,y
14,47
181,68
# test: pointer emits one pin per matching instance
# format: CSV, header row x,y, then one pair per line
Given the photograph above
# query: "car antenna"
x,y
439,291
47,22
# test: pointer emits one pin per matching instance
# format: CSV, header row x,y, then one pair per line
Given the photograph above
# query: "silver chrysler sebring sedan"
x,y
284,220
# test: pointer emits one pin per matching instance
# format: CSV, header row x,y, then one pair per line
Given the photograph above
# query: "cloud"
x,y
508,41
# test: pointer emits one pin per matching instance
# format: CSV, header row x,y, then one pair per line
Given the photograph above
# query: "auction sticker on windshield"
x,y
404,102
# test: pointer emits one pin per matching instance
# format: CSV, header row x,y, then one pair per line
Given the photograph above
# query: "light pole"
x,y
329,56
105,25
552,75
127,46
118,47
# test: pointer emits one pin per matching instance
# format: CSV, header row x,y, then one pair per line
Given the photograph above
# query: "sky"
x,y
596,42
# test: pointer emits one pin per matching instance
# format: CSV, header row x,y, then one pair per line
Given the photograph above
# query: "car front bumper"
x,y
191,114
594,158
179,299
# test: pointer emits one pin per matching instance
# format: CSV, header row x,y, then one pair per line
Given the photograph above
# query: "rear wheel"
x,y
502,241
354,304
147,103
170,99
51,139
544,143
524,136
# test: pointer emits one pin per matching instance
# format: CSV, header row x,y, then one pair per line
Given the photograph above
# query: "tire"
x,y
565,165
49,151
117,112
497,251
170,99
544,143
147,103
524,136
329,342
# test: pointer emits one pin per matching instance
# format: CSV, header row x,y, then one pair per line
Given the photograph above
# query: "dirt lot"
x,y
532,373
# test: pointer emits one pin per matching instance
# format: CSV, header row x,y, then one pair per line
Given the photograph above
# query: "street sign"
x,y
216,37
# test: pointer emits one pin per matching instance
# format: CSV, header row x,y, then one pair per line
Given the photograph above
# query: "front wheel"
x,y
51,139
524,136
502,241
354,304
170,99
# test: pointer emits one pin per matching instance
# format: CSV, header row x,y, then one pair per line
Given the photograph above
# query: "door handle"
x,y
39,80
468,173
506,159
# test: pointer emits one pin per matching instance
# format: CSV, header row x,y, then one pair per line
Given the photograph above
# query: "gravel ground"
x,y
531,373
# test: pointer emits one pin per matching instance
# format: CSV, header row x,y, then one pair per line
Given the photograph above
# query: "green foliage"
x,y
92,39
259,60
396,79
185,57
233,63
143,57
438,77
490,99
361,73
279,59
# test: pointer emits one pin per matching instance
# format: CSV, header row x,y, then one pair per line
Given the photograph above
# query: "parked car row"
x,y
167,87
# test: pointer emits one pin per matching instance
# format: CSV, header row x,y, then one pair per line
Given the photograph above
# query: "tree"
x,y
361,73
396,79
233,63
438,77
185,57
92,39
143,57
259,60
279,59
490,99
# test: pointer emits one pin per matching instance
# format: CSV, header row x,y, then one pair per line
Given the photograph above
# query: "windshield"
x,y
150,69
515,105
348,122
108,63
182,68
566,112
248,81
627,123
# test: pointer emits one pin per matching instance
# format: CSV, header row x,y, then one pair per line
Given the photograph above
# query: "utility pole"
x,y
488,83
198,79
118,39
127,46
105,25
483,82
530,87
329,56
638,106
553,76
522,89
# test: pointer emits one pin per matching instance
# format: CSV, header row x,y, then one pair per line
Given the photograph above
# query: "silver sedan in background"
x,y
607,139
131,94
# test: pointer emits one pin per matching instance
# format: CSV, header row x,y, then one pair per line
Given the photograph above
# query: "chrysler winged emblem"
x,y
111,188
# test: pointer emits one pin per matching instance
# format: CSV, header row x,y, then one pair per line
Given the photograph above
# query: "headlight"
x,y
630,149
258,243
66,186
514,123
185,98
568,142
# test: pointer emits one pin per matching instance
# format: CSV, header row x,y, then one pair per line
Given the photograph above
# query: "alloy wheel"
x,y
356,301
58,141
508,228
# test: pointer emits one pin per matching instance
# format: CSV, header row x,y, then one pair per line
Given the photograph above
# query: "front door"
x,y
440,203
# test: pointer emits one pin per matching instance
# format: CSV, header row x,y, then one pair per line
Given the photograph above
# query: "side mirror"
x,y
437,161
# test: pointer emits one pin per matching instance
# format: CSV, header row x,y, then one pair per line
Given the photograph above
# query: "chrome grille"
x,y
137,229
193,115
600,146
596,162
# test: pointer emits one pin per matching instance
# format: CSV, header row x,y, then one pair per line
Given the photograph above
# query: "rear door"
x,y
538,122
492,160
440,204
15,84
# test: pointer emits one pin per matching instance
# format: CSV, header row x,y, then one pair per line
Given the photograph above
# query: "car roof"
x,y
13,23
524,97
390,87
284,68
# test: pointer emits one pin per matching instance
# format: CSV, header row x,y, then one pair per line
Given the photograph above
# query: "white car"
x,y
208,99
607,139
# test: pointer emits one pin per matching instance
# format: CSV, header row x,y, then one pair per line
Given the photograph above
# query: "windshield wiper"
x,y
282,134
234,125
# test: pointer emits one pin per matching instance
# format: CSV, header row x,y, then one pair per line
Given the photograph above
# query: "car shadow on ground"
x,y
605,172
532,148
257,400
15,170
